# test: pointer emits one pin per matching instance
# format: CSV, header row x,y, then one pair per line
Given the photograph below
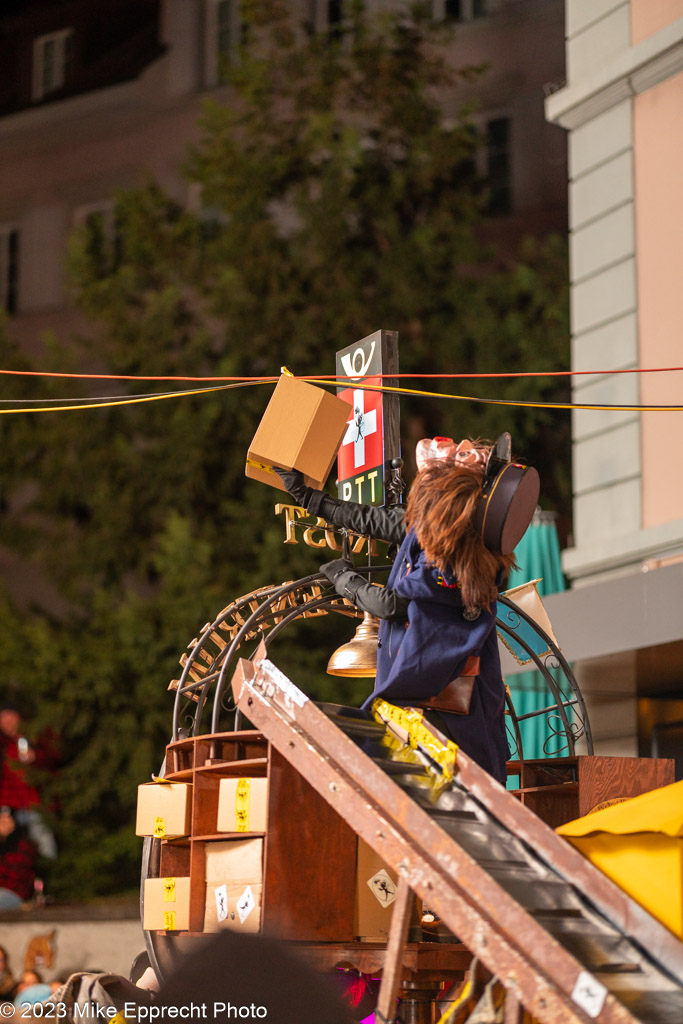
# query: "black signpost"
x,y
372,442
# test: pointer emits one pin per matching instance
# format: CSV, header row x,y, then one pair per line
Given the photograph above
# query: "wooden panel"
x,y
613,778
179,756
197,886
175,859
310,862
561,789
224,747
205,803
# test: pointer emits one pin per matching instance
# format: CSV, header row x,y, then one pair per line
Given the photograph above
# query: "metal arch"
x,y
553,659
201,670
270,617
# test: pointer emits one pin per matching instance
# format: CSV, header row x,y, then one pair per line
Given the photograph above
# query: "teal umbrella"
x,y
538,557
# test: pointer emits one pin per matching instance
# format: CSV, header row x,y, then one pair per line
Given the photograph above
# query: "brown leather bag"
x,y
455,698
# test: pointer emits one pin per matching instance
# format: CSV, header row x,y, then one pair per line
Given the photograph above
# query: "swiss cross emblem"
x,y
361,447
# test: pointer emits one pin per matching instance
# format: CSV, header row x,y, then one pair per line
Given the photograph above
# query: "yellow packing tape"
x,y
169,890
169,921
260,465
242,798
408,725
159,827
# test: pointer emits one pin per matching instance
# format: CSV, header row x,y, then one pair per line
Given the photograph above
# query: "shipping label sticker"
x,y
245,904
169,921
242,795
221,895
169,890
159,828
589,994
383,888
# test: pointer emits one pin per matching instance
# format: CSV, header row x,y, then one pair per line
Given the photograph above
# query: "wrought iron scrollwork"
x,y
266,612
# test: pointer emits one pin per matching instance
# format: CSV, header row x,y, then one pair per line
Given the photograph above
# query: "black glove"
x,y
294,482
334,569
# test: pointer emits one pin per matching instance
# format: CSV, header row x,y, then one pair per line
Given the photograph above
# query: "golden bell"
x,y
358,658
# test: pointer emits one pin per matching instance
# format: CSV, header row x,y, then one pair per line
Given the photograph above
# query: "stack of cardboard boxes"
x,y
233,869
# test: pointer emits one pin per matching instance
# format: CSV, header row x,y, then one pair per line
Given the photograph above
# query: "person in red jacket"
x,y
17,758
17,853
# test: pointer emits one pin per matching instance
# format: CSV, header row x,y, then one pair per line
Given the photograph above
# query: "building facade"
x,y
85,112
622,107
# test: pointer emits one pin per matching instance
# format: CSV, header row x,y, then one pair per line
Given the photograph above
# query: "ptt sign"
x,y
371,438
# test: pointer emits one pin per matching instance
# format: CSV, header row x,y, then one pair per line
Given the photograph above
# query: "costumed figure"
x,y
468,507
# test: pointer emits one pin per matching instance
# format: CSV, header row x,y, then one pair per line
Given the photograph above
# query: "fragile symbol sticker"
x,y
221,894
245,904
589,994
383,888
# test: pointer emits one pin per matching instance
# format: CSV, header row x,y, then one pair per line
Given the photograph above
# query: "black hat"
x,y
509,498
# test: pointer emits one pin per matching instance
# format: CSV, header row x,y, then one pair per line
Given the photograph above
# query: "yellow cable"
x,y
134,401
346,385
498,401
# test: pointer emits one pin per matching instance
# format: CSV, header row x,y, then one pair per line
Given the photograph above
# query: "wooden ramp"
x,y
566,943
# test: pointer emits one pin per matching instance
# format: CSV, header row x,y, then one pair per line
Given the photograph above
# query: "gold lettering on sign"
x,y
328,539
292,513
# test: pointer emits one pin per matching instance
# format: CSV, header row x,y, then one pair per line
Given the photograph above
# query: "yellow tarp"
x,y
638,844
659,811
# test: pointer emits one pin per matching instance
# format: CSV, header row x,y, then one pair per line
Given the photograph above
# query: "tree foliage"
x,y
337,198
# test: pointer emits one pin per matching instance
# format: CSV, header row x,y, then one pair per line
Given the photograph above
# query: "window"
x,y
52,62
459,10
334,16
224,34
9,269
498,166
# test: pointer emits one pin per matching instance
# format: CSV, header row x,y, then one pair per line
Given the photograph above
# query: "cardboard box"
x,y
164,809
234,885
302,429
236,860
638,843
242,805
376,885
233,906
166,904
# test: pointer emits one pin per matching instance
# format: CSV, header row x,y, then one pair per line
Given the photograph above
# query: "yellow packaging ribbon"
x,y
169,921
169,890
242,799
408,725
260,465
159,827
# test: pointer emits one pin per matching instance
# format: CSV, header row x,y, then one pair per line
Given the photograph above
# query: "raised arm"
x,y
382,523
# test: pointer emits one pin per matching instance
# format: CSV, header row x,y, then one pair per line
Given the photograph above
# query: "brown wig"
x,y
440,510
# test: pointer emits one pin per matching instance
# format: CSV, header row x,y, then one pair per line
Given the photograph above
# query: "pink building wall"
x,y
648,16
658,170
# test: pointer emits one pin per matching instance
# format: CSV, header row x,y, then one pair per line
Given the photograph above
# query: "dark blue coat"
x,y
418,658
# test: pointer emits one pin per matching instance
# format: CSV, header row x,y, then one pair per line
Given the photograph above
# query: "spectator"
x,y
31,989
8,983
16,791
17,872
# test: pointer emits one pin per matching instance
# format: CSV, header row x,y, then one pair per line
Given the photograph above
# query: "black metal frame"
x,y
566,716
